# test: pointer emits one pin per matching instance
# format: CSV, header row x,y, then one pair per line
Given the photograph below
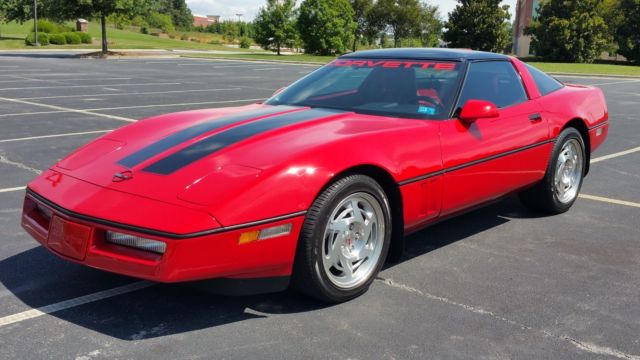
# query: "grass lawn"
x,y
12,37
604,69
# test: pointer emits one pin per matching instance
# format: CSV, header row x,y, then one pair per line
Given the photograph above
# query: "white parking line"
x,y
265,69
178,104
129,94
615,155
24,78
85,112
33,113
53,75
85,86
21,80
53,136
89,111
30,71
609,200
71,303
12,189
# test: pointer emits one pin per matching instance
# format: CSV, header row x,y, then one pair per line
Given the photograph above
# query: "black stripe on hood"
x,y
194,131
221,140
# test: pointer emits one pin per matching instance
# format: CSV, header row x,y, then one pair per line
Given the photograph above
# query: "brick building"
x,y
204,21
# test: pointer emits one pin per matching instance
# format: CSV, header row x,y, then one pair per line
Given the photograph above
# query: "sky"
x,y
249,8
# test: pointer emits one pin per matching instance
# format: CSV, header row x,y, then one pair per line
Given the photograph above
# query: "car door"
x,y
490,157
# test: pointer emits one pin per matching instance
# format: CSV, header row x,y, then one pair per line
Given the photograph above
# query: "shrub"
x,y
172,36
144,30
46,26
57,39
215,42
184,37
85,38
43,39
245,43
50,27
61,28
155,34
72,38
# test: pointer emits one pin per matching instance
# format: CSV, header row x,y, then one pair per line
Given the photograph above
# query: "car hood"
x,y
206,157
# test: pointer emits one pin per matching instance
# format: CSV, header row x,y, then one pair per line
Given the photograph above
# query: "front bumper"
x,y
217,254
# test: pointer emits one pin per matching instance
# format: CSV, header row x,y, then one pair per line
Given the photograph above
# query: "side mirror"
x,y
478,109
278,91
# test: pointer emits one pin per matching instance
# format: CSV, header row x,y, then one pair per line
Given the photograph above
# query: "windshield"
x,y
420,89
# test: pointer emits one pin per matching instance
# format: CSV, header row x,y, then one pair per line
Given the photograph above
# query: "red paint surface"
x,y
441,167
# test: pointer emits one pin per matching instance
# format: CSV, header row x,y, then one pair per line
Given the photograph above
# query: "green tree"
x,y
180,14
401,16
160,21
361,9
628,33
275,25
18,10
63,10
613,17
375,24
569,30
479,25
430,26
326,26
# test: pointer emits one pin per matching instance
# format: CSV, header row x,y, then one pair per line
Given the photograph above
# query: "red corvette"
x,y
318,185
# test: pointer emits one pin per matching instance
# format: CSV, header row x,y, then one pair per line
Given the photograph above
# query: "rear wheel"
x,y
344,240
561,185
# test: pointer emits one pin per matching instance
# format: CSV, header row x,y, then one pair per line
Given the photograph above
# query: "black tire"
x,y
542,197
309,274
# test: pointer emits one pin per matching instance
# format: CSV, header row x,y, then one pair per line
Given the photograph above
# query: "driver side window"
x,y
494,81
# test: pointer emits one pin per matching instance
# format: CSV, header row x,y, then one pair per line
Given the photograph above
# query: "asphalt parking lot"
x,y
499,282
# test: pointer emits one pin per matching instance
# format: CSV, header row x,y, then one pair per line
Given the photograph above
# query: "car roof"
x,y
426,53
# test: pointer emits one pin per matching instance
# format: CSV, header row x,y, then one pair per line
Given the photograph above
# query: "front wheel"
x,y
561,185
344,240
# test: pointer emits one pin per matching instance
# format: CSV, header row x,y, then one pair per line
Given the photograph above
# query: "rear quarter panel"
x,y
576,102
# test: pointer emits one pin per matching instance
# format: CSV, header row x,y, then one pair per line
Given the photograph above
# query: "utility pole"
x,y
35,21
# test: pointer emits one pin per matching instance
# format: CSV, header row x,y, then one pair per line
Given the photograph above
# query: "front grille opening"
x,y
39,213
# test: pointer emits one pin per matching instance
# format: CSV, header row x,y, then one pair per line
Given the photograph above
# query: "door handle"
x,y
535,117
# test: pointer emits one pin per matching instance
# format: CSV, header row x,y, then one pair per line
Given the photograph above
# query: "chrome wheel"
x,y
353,240
569,170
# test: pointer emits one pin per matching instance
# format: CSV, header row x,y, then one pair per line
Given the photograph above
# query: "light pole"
x,y
35,22
240,32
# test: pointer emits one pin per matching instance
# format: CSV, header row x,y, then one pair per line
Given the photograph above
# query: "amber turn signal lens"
x,y
249,237
268,233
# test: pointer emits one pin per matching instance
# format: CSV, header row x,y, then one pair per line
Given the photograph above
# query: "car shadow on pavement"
x,y
463,226
37,278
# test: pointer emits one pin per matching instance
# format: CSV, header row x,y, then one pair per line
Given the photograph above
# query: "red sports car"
x,y
318,185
